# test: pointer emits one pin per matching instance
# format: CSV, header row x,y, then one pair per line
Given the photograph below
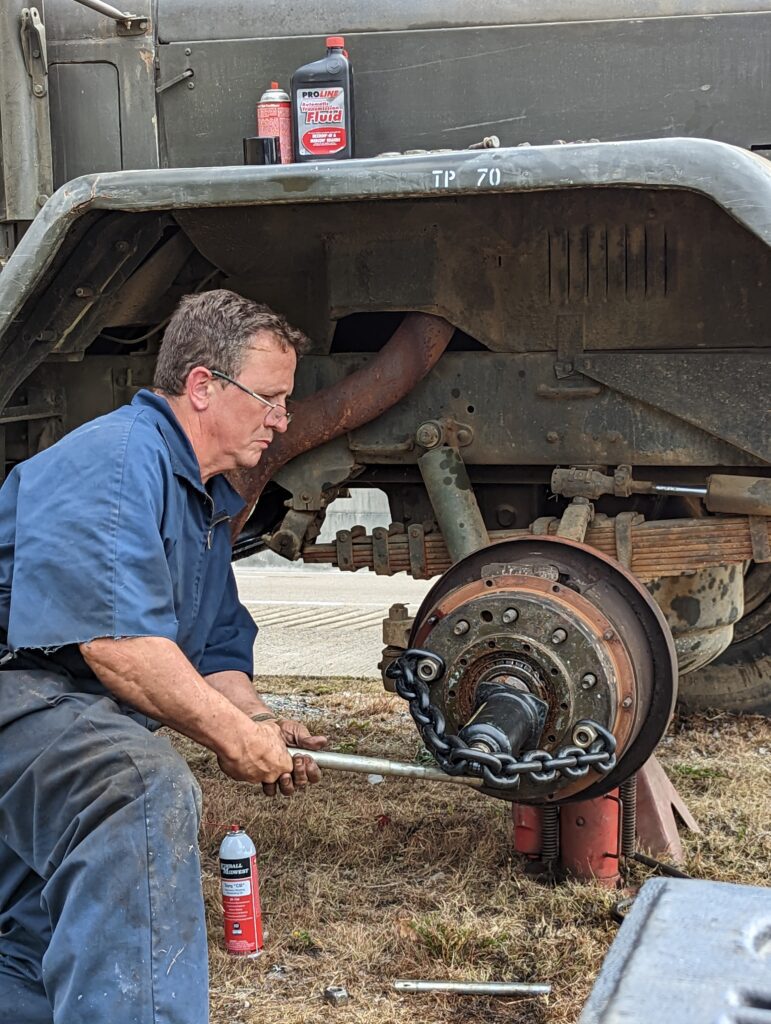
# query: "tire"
x,y
740,679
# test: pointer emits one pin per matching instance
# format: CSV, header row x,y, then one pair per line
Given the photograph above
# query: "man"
x,y
119,610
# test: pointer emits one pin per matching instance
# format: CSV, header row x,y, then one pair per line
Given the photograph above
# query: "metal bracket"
x,y
381,553
32,34
187,73
570,350
761,549
416,546
622,526
344,543
575,520
126,24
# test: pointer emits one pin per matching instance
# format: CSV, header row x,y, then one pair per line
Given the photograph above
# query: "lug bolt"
x,y
584,736
588,681
428,670
510,615
608,634
460,627
559,636
626,702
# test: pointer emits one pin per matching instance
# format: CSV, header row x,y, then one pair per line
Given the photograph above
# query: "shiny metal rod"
x,y
677,489
383,766
477,988
108,10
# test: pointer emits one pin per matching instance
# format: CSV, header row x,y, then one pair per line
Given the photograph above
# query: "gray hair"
x,y
216,329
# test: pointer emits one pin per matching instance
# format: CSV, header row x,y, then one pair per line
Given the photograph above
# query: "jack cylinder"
x,y
589,839
527,831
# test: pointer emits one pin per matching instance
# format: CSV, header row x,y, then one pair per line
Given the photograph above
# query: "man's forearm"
x,y
154,676
237,687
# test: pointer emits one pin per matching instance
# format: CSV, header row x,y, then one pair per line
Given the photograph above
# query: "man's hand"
x,y
305,771
262,756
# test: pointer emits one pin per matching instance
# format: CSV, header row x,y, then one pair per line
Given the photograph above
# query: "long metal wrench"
x,y
383,766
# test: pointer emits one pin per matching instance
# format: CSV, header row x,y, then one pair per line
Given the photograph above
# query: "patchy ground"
x,y
362,883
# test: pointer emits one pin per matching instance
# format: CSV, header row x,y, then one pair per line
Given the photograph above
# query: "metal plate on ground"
x,y
689,951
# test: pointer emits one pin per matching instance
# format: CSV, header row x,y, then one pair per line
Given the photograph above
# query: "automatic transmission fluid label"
x,y
321,127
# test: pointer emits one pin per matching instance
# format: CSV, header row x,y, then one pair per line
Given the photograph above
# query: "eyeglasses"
x,y
279,410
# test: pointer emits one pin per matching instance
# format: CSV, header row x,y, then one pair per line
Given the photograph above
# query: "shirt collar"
x,y
184,463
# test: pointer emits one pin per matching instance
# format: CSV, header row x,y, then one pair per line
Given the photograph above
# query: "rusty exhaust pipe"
x,y
406,358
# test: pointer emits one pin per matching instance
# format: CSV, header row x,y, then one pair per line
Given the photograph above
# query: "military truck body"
x,y
607,271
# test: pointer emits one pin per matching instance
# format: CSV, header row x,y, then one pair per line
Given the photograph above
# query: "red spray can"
x,y
240,894
274,118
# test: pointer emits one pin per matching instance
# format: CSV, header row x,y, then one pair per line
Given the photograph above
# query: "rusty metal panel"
x,y
708,390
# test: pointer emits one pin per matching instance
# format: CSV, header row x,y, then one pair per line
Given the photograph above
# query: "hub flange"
x,y
566,624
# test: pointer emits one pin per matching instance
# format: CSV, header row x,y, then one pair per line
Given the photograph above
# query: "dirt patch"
x,y
362,884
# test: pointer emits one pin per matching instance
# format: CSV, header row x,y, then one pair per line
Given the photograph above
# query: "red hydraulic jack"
x,y
587,840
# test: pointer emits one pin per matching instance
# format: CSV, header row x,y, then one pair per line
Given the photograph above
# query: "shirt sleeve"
x,y
89,556
230,645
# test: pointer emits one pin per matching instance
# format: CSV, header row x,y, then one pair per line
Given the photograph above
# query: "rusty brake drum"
x,y
567,624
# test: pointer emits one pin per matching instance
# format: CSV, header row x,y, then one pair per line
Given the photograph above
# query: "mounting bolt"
x,y
38,89
460,627
122,246
626,702
191,85
42,199
84,292
428,435
188,51
510,615
552,437
588,681
465,436
559,636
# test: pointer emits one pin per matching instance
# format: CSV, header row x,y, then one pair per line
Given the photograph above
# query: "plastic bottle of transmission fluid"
x,y
322,98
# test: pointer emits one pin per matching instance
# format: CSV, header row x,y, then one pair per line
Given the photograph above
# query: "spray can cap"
x,y
335,41
275,94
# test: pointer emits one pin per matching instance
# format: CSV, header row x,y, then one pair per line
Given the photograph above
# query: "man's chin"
x,y
248,460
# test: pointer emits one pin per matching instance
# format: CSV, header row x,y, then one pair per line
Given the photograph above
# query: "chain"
x,y
499,770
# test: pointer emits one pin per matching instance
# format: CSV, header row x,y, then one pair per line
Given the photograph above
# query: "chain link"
x,y
500,771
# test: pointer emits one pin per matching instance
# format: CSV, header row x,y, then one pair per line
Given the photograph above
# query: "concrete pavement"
x,y
324,622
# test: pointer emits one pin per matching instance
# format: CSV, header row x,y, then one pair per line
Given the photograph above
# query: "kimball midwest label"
x,y
321,127
241,905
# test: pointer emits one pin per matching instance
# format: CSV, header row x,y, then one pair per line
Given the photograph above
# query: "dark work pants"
x,y
101,911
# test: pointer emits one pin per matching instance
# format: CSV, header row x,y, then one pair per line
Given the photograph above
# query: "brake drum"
x,y
571,626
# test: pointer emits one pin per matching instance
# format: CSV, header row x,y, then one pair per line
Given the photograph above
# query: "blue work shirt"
x,y
111,533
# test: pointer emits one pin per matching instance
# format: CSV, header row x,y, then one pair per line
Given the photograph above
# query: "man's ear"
x,y
198,388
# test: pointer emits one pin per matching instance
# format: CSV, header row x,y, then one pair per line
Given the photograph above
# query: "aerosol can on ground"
x,y
240,894
274,118
322,99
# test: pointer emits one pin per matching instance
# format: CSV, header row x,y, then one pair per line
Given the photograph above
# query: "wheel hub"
x,y
559,621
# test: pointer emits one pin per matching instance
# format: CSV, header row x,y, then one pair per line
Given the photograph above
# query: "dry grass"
x,y
365,883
